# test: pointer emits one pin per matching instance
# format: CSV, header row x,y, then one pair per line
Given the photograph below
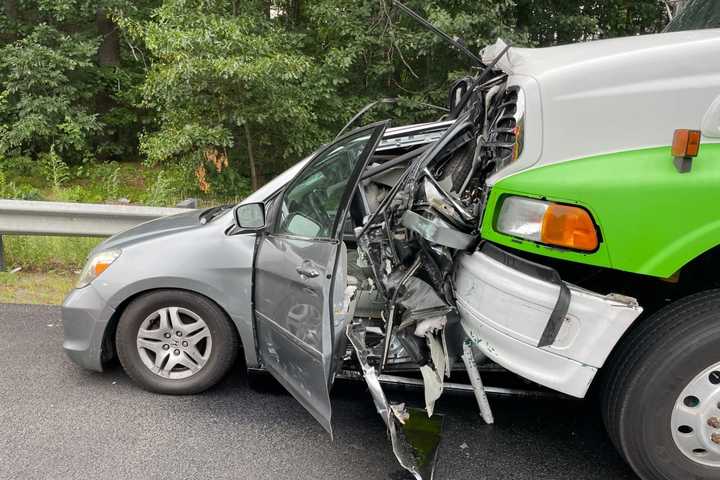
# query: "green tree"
x,y
553,22
227,87
65,79
239,89
45,94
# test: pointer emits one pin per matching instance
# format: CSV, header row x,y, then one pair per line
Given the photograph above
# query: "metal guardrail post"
x,y
2,255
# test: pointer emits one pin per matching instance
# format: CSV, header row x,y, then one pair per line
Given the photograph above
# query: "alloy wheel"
x,y
174,342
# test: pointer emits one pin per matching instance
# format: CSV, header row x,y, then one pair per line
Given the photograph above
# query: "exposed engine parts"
x,y
427,209
433,210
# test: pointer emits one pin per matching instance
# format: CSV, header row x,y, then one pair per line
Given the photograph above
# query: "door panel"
x,y
296,268
289,312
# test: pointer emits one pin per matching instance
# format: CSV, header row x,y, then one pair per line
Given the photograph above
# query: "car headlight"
x,y
549,223
95,266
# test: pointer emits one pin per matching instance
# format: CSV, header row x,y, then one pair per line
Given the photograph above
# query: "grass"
x,y
47,254
48,267
47,288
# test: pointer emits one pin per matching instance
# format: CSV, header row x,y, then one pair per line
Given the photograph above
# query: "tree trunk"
x,y
251,158
109,51
11,9
266,4
295,11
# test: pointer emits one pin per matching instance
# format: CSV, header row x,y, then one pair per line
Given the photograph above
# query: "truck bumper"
x,y
505,308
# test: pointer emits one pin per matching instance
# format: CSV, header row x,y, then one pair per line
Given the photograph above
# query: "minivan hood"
x,y
153,229
536,62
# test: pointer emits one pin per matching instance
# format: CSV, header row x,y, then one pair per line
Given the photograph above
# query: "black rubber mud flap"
x,y
541,272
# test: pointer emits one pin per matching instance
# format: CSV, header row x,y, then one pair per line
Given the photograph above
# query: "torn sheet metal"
x,y
437,231
433,374
477,383
416,438
419,296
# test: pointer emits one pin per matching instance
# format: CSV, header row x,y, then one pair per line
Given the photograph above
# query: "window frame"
x,y
376,131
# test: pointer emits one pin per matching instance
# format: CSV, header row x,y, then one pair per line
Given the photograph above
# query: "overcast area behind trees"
x,y
218,96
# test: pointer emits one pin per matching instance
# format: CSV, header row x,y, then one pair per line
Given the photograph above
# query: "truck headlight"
x,y
549,223
95,266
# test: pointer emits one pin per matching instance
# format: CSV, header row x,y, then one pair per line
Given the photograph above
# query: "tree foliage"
x,y
236,90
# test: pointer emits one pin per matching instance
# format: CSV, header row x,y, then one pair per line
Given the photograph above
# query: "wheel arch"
x,y
128,295
686,251
696,276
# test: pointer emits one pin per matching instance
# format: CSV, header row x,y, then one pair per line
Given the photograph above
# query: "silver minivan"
x,y
276,277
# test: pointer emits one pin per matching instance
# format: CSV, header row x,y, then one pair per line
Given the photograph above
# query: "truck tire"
x,y
661,396
175,342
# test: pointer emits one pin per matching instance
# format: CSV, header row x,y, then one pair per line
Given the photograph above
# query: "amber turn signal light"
x,y
570,227
100,267
686,143
685,147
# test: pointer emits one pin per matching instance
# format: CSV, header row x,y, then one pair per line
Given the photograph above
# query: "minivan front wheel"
x,y
662,394
175,342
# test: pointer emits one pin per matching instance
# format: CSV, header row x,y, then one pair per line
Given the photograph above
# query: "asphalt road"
x,y
60,422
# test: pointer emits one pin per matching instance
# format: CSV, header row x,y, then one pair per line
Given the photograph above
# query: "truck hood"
x,y
537,62
632,93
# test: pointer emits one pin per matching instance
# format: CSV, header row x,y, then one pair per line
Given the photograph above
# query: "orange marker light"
x,y
686,143
570,227
100,267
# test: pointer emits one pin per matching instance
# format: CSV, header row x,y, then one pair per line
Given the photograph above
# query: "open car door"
x,y
295,271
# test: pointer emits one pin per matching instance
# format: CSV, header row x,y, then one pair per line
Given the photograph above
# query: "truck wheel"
x,y
661,398
175,342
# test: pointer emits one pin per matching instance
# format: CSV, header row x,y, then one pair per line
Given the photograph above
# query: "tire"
x,y
208,360
664,362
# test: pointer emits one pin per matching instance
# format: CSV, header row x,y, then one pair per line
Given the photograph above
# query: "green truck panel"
x,y
652,219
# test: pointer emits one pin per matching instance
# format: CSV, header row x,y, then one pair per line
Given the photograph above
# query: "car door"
x,y
295,267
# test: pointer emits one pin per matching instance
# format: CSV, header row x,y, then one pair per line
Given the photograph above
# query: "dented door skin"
x,y
295,270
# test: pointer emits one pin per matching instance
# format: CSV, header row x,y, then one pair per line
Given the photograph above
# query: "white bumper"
x,y
505,311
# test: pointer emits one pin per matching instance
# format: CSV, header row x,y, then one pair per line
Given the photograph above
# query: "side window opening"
x,y
311,203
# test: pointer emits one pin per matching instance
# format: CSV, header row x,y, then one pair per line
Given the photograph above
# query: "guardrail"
x,y
22,217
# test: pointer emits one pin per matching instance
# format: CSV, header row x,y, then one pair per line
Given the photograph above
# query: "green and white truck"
x,y
592,173
614,182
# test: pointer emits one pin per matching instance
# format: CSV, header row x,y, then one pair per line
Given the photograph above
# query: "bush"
x,y
21,166
55,169
46,93
162,192
13,191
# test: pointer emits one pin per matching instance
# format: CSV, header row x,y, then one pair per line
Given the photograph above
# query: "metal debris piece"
x,y
415,443
476,381
437,231
433,374
400,412
431,324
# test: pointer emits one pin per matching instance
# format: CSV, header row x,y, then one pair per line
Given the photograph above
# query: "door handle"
x,y
307,272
